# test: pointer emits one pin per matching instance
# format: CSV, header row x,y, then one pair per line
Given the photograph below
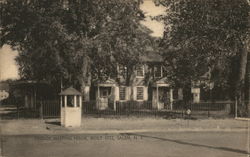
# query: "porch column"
x,y
171,98
116,96
157,97
80,101
62,112
61,101
65,107
74,100
65,101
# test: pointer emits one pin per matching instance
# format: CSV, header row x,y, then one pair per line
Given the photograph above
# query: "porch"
x,y
106,95
161,95
28,93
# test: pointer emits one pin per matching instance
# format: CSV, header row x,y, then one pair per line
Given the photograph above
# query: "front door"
x,y
164,98
105,93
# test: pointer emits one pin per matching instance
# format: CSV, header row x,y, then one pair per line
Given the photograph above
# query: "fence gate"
x,y
50,109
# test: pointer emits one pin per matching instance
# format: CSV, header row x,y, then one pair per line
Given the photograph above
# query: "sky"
x,y
150,9
9,68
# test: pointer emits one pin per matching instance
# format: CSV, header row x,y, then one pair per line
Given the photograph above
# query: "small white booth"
x,y
71,107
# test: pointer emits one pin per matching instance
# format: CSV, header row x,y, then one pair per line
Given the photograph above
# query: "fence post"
x,y
17,109
236,105
208,109
182,108
41,110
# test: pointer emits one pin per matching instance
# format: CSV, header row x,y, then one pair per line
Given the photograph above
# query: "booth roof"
x,y
70,91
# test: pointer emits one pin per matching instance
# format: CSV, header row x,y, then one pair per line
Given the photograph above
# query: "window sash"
x,y
70,100
122,93
122,71
139,93
158,71
140,71
175,94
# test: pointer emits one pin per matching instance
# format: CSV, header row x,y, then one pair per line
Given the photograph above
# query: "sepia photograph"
x,y
124,78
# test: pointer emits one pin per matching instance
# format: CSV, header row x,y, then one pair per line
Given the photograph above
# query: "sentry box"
x,y
71,107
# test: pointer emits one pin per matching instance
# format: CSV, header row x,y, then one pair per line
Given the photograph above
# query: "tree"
x,y
35,29
73,40
205,34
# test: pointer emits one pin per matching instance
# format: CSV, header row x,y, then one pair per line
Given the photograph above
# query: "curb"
x,y
157,130
243,119
76,132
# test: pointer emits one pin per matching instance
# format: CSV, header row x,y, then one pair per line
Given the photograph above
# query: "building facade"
x,y
147,87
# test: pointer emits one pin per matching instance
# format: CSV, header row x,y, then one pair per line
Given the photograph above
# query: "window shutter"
x,y
145,94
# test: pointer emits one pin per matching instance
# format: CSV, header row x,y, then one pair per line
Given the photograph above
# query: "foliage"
x,y
202,35
73,39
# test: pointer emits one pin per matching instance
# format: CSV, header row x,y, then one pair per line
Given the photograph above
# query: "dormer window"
x,y
157,71
122,71
140,71
65,4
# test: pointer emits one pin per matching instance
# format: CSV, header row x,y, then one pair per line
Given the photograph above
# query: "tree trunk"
x,y
248,75
244,67
241,79
85,83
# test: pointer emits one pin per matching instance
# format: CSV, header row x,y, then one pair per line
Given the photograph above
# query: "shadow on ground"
x,y
57,123
9,112
194,144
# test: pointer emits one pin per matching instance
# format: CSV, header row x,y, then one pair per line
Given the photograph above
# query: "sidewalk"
x,y
124,125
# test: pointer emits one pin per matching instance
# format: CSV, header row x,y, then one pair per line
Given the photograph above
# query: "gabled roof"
x,y
108,82
152,56
162,82
70,91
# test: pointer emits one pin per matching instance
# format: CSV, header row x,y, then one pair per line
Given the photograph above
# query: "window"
x,y
78,101
63,101
122,71
140,71
70,101
158,71
104,93
65,4
122,93
139,94
175,94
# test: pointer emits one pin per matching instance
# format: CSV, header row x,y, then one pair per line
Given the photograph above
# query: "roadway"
x,y
163,144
